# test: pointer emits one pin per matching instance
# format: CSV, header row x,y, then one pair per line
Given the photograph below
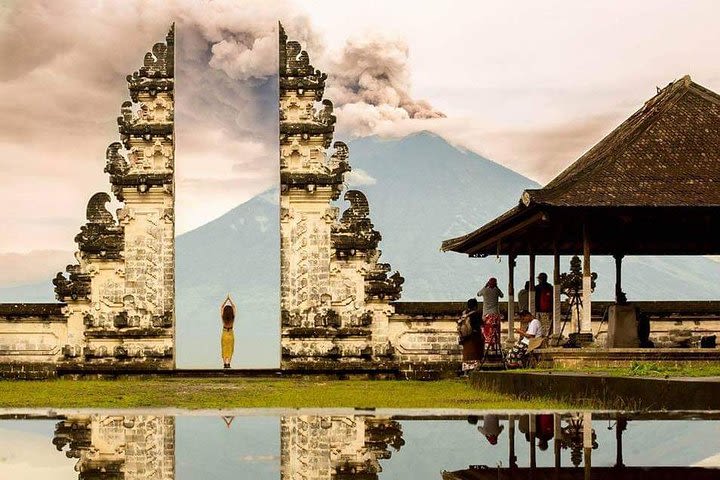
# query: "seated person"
x,y
530,328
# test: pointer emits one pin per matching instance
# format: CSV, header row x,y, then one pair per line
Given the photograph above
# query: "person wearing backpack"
x,y
544,303
471,337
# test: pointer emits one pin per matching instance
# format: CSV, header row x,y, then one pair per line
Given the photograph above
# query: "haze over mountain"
x,y
421,191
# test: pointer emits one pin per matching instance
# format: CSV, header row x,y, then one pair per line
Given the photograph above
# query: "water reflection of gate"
x,y
336,446
119,447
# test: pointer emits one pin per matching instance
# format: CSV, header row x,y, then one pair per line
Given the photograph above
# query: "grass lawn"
x,y
196,393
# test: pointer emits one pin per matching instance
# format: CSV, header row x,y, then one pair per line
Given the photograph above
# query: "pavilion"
x,y
650,187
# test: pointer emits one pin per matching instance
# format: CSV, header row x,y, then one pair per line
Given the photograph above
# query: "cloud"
x,y
63,80
358,177
32,267
32,456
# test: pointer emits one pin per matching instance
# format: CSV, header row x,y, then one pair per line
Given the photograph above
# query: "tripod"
x,y
574,302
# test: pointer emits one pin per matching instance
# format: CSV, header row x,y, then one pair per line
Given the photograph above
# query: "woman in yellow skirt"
x,y
227,339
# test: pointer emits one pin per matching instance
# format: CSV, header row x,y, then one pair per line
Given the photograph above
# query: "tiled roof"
x,y
666,154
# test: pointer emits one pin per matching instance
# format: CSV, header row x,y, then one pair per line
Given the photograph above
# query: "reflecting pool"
x,y
359,445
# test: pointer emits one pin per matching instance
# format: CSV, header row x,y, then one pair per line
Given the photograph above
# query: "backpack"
x,y
464,327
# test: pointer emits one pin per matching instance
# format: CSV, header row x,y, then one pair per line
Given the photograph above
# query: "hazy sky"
x,y
528,84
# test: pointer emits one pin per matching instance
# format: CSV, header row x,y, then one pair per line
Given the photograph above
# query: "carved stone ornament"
x,y
101,236
355,231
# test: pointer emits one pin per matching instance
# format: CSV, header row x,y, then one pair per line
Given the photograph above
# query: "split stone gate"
x,y
117,309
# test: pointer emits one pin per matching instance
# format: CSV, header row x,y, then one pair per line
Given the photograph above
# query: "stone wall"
x,y
334,292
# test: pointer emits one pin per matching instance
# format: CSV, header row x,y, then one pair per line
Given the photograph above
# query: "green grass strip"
x,y
194,393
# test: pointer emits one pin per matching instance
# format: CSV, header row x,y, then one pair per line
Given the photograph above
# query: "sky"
x,y
530,85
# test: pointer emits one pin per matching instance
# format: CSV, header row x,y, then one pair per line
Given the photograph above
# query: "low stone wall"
x,y
424,338
32,333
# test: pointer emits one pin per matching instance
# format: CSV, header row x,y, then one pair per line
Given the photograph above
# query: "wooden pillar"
x,y
533,453
511,297
557,320
585,322
587,442
618,277
557,430
512,460
531,290
619,427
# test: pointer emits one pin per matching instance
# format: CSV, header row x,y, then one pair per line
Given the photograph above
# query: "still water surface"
x,y
360,446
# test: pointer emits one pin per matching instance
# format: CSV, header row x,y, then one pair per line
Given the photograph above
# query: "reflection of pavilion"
x,y
336,447
119,447
578,437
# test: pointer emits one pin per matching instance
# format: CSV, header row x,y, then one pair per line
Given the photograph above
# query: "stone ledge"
x,y
33,310
129,333
326,333
626,393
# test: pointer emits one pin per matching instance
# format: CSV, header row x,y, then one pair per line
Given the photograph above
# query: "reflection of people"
x,y
473,344
518,353
491,428
227,339
544,429
544,302
490,294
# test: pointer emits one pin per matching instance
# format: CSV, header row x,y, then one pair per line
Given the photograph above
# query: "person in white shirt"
x,y
517,354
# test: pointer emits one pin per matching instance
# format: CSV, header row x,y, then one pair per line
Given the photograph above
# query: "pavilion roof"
x,y
666,155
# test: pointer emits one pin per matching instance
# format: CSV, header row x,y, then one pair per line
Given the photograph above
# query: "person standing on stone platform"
x,y
490,294
227,338
523,303
472,341
544,303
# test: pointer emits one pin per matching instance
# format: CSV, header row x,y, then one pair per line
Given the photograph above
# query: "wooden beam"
x,y
538,217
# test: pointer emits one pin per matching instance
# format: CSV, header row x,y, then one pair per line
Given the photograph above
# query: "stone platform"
x,y
624,357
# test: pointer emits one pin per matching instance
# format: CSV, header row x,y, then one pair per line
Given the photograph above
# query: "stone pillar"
x,y
557,311
585,321
511,297
531,290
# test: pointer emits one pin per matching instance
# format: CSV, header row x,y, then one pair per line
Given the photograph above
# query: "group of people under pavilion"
x,y
650,187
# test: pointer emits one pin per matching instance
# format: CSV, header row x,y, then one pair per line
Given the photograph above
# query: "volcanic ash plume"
x,y
370,82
